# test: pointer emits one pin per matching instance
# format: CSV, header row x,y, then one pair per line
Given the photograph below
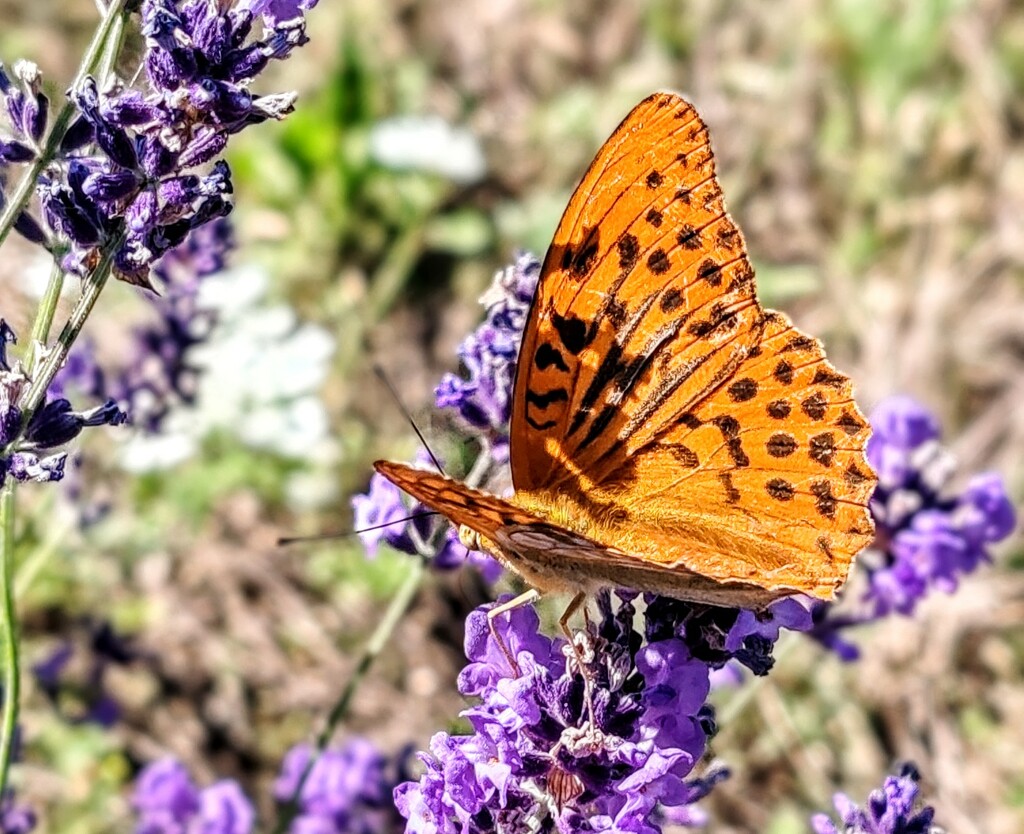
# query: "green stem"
x,y
58,353
45,313
374,646
9,624
19,197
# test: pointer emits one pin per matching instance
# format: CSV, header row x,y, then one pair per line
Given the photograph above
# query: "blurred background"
x,y
872,151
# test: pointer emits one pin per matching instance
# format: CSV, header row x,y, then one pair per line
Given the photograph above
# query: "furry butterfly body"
x,y
668,434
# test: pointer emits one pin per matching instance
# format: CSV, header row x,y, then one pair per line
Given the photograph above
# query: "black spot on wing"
x,y
710,272
780,489
824,376
658,262
578,259
855,476
732,495
824,501
799,343
543,400
814,406
822,448
629,252
688,237
546,356
616,312
547,424
742,390
654,217
778,409
823,545
684,455
730,428
780,445
672,299
654,179
849,423
573,332
783,372
726,236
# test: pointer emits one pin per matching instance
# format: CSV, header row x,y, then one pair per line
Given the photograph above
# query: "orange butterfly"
x,y
668,434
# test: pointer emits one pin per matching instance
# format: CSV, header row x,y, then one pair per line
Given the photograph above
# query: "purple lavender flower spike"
x,y
165,797
200,59
377,514
889,810
14,818
484,400
533,762
27,107
927,536
225,809
381,505
348,789
167,800
53,424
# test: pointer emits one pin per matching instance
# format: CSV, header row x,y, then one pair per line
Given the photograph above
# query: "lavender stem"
x,y
9,624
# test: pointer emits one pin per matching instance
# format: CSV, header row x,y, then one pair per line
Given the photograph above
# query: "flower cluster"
x,y
608,745
14,818
347,789
27,109
167,800
926,535
484,400
889,810
137,191
49,427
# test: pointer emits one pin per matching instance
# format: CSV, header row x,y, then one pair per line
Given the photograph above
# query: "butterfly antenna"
x,y
379,371
321,537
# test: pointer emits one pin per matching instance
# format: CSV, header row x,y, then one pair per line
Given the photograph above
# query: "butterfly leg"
x,y
524,598
581,660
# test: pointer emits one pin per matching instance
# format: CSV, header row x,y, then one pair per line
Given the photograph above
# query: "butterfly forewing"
x,y
646,300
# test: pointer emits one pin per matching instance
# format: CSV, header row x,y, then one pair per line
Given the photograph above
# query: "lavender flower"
x,y
348,790
14,818
52,425
167,801
927,536
534,760
889,810
484,400
124,174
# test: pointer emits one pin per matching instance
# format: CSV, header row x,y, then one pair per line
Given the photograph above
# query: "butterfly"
x,y
668,433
